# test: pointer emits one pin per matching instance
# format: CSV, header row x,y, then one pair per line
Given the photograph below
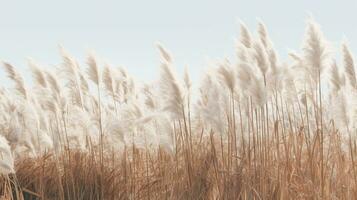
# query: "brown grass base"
x,y
284,170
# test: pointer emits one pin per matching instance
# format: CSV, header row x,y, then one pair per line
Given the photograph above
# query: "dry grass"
x,y
257,128
288,171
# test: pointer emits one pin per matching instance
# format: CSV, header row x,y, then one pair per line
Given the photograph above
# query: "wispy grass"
x,y
255,127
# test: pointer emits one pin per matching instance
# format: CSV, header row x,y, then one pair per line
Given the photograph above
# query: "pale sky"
x,y
125,32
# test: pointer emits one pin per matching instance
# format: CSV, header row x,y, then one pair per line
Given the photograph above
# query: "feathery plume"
x,y
93,71
83,83
244,74
257,91
261,58
171,91
6,159
349,66
315,49
187,79
165,55
263,35
227,75
242,53
335,77
17,78
108,80
245,37
53,82
341,111
70,72
37,73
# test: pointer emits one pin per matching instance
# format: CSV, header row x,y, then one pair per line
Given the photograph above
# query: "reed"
x,y
255,127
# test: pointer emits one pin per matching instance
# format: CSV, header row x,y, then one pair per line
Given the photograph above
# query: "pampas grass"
x,y
258,126
7,161
349,65
17,79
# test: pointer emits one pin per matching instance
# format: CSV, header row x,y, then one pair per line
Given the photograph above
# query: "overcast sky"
x,y
124,33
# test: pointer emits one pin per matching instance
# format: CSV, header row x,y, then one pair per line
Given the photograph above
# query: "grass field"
x,y
253,127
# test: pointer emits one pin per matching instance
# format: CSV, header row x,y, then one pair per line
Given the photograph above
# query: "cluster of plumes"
x,y
70,106
259,79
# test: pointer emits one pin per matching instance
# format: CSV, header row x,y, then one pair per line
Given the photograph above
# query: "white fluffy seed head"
x,y
6,158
